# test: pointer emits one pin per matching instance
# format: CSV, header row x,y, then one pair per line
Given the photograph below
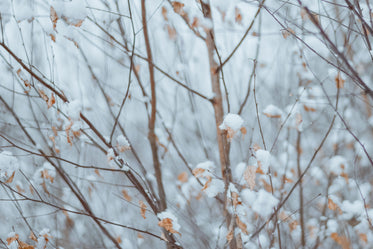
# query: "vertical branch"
x,y
301,209
153,102
219,116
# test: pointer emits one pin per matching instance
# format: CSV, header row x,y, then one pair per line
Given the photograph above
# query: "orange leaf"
x,y
164,13
139,235
241,225
339,81
53,17
198,171
143,208
309,109
166,223
97,172
11,239
126,195
332,205
10,179
230,233
341,240
178,7
182,177
51,101
209,179
45,175
238,16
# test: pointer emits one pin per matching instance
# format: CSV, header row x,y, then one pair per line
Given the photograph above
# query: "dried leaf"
x,y
139,236
164,13
309,109
241,225
235,199
118,239
209,179
250,175
267,186
126,195
51,101
238,16
11,239
171,32
195,22
339,82
178,7
293,225
19,189
143,208
198,172
97,172
271,116
363,237
45,187
23,245
182,177
230,233
33,237
332,205
166,223
53,17
10,179
341,240
287,32
45,175
345,176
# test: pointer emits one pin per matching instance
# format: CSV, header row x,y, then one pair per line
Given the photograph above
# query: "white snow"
x,y
8,165
232,121
272,111
337,165
264,159
215,187
74,109
122,141
264,203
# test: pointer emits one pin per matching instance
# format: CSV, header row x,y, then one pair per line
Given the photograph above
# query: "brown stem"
x,y
153,102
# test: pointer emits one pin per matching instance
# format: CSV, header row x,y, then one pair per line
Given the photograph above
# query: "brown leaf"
x,y
309,109
45,187
45,175
238,16
143,208
271,116
51,101
195,22
198,172
11,239
235,199
182,177
332,205
139,235
166,223
241,225
33,237
209,179
171,32
339,81
53,17
267,186
250,175
164,13
178,7
10,179
23,245
230,233
341,240
126,195
363,237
